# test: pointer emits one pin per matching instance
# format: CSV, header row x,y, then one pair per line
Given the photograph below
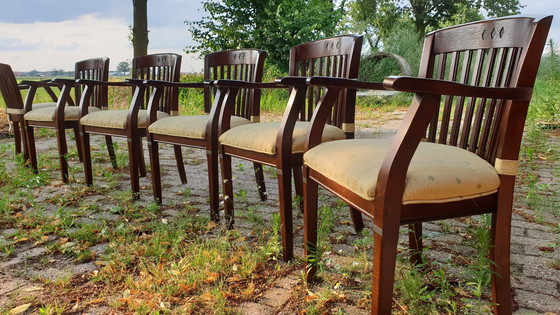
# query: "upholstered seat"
x,y
47,113
188,126
21,111
437,173
116,118
262,137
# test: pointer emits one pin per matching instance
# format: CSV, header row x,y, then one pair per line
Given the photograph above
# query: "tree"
x,y
140,27
123,66
426,14
274,25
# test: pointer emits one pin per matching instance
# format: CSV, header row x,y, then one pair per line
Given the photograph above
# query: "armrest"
x,y
160,83
105,83
443,87
247,85
344,83
64,81
39,83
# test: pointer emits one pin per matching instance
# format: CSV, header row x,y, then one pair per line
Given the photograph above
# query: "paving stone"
x,y
535,301
252,308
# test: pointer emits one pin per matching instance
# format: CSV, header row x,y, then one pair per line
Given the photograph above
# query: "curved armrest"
x,y
40,83
443,87
345,83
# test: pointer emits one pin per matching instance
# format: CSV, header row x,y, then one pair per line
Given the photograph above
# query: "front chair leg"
x,y
384,260
285,197
213,184
311,253
153,150
78,143
141,160
30,142
133,156
225,162
62,152
86,152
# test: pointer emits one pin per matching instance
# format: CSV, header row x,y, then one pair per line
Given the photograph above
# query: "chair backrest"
x,y
10,91
238,64
502,52
337,56
166,67
93,69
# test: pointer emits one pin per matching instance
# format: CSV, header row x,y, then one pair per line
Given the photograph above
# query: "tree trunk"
x,y
140,27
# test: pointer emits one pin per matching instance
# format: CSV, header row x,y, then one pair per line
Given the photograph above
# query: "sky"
x,y
54,34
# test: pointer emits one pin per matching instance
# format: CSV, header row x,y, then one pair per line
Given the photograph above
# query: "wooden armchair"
x,y
11,93
472,94
280,144
130,123
65,114
197,130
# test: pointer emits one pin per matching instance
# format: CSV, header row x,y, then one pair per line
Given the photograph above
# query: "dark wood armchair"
x,y
280,144
11,93
197,130
65,114
471,98
130,123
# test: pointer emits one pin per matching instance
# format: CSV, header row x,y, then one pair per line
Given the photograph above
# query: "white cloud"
x,y
47,45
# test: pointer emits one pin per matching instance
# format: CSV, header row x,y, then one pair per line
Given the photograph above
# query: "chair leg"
x,y
500,252
30,143
298,183
133,156
153,150
141,160
78,144
310,193
259,177
86,152
285,196
180,163
17,136
111,150
415,243
62,152
384,260
213,185
357,219
225,162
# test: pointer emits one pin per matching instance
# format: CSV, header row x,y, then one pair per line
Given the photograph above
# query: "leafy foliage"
x,y
378,18
274,25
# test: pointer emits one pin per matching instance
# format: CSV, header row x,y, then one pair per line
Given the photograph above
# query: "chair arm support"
x,y
443,87
344,83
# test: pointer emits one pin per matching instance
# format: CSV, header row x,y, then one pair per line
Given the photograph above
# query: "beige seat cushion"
x,y
116,118
261,137
437,173
21,111
193,127
71,113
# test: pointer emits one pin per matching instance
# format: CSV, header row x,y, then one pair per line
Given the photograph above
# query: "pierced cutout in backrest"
x,y
239,64
93,69
165,67
334,57
491,58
